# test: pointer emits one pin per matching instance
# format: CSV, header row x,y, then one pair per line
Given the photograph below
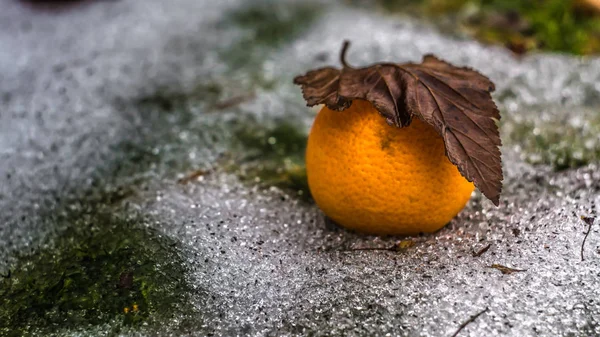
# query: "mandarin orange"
x,y
376,178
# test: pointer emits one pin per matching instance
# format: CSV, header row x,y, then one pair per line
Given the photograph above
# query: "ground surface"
x,y
106,105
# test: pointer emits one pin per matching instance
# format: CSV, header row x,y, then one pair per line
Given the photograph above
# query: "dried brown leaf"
x,y
455,101
404,244
481,251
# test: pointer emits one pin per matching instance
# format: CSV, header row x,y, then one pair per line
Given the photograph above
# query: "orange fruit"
x,y
375,178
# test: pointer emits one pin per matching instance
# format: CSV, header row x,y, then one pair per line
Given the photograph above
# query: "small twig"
x,y
192,176
506,270
389,249
469,321
482,250
589,221
397,247
233,101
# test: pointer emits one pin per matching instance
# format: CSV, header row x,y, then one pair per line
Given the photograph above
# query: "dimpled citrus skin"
x,y
375,178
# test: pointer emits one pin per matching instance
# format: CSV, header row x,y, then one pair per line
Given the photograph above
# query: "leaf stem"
x,y
345,47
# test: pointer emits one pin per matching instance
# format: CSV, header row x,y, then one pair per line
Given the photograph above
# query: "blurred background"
x,y
571,26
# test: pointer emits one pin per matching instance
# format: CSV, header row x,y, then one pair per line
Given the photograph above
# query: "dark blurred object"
x,y
54,4
587,6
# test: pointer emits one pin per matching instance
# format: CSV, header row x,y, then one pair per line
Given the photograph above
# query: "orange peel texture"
x,y
375,178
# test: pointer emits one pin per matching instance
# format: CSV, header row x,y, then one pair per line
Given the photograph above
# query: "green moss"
x,y
276,141
417,7
104,270
152,140
555,25
268,25
274,23
550,25
168,99
269,152
557,142
101,270
272,155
